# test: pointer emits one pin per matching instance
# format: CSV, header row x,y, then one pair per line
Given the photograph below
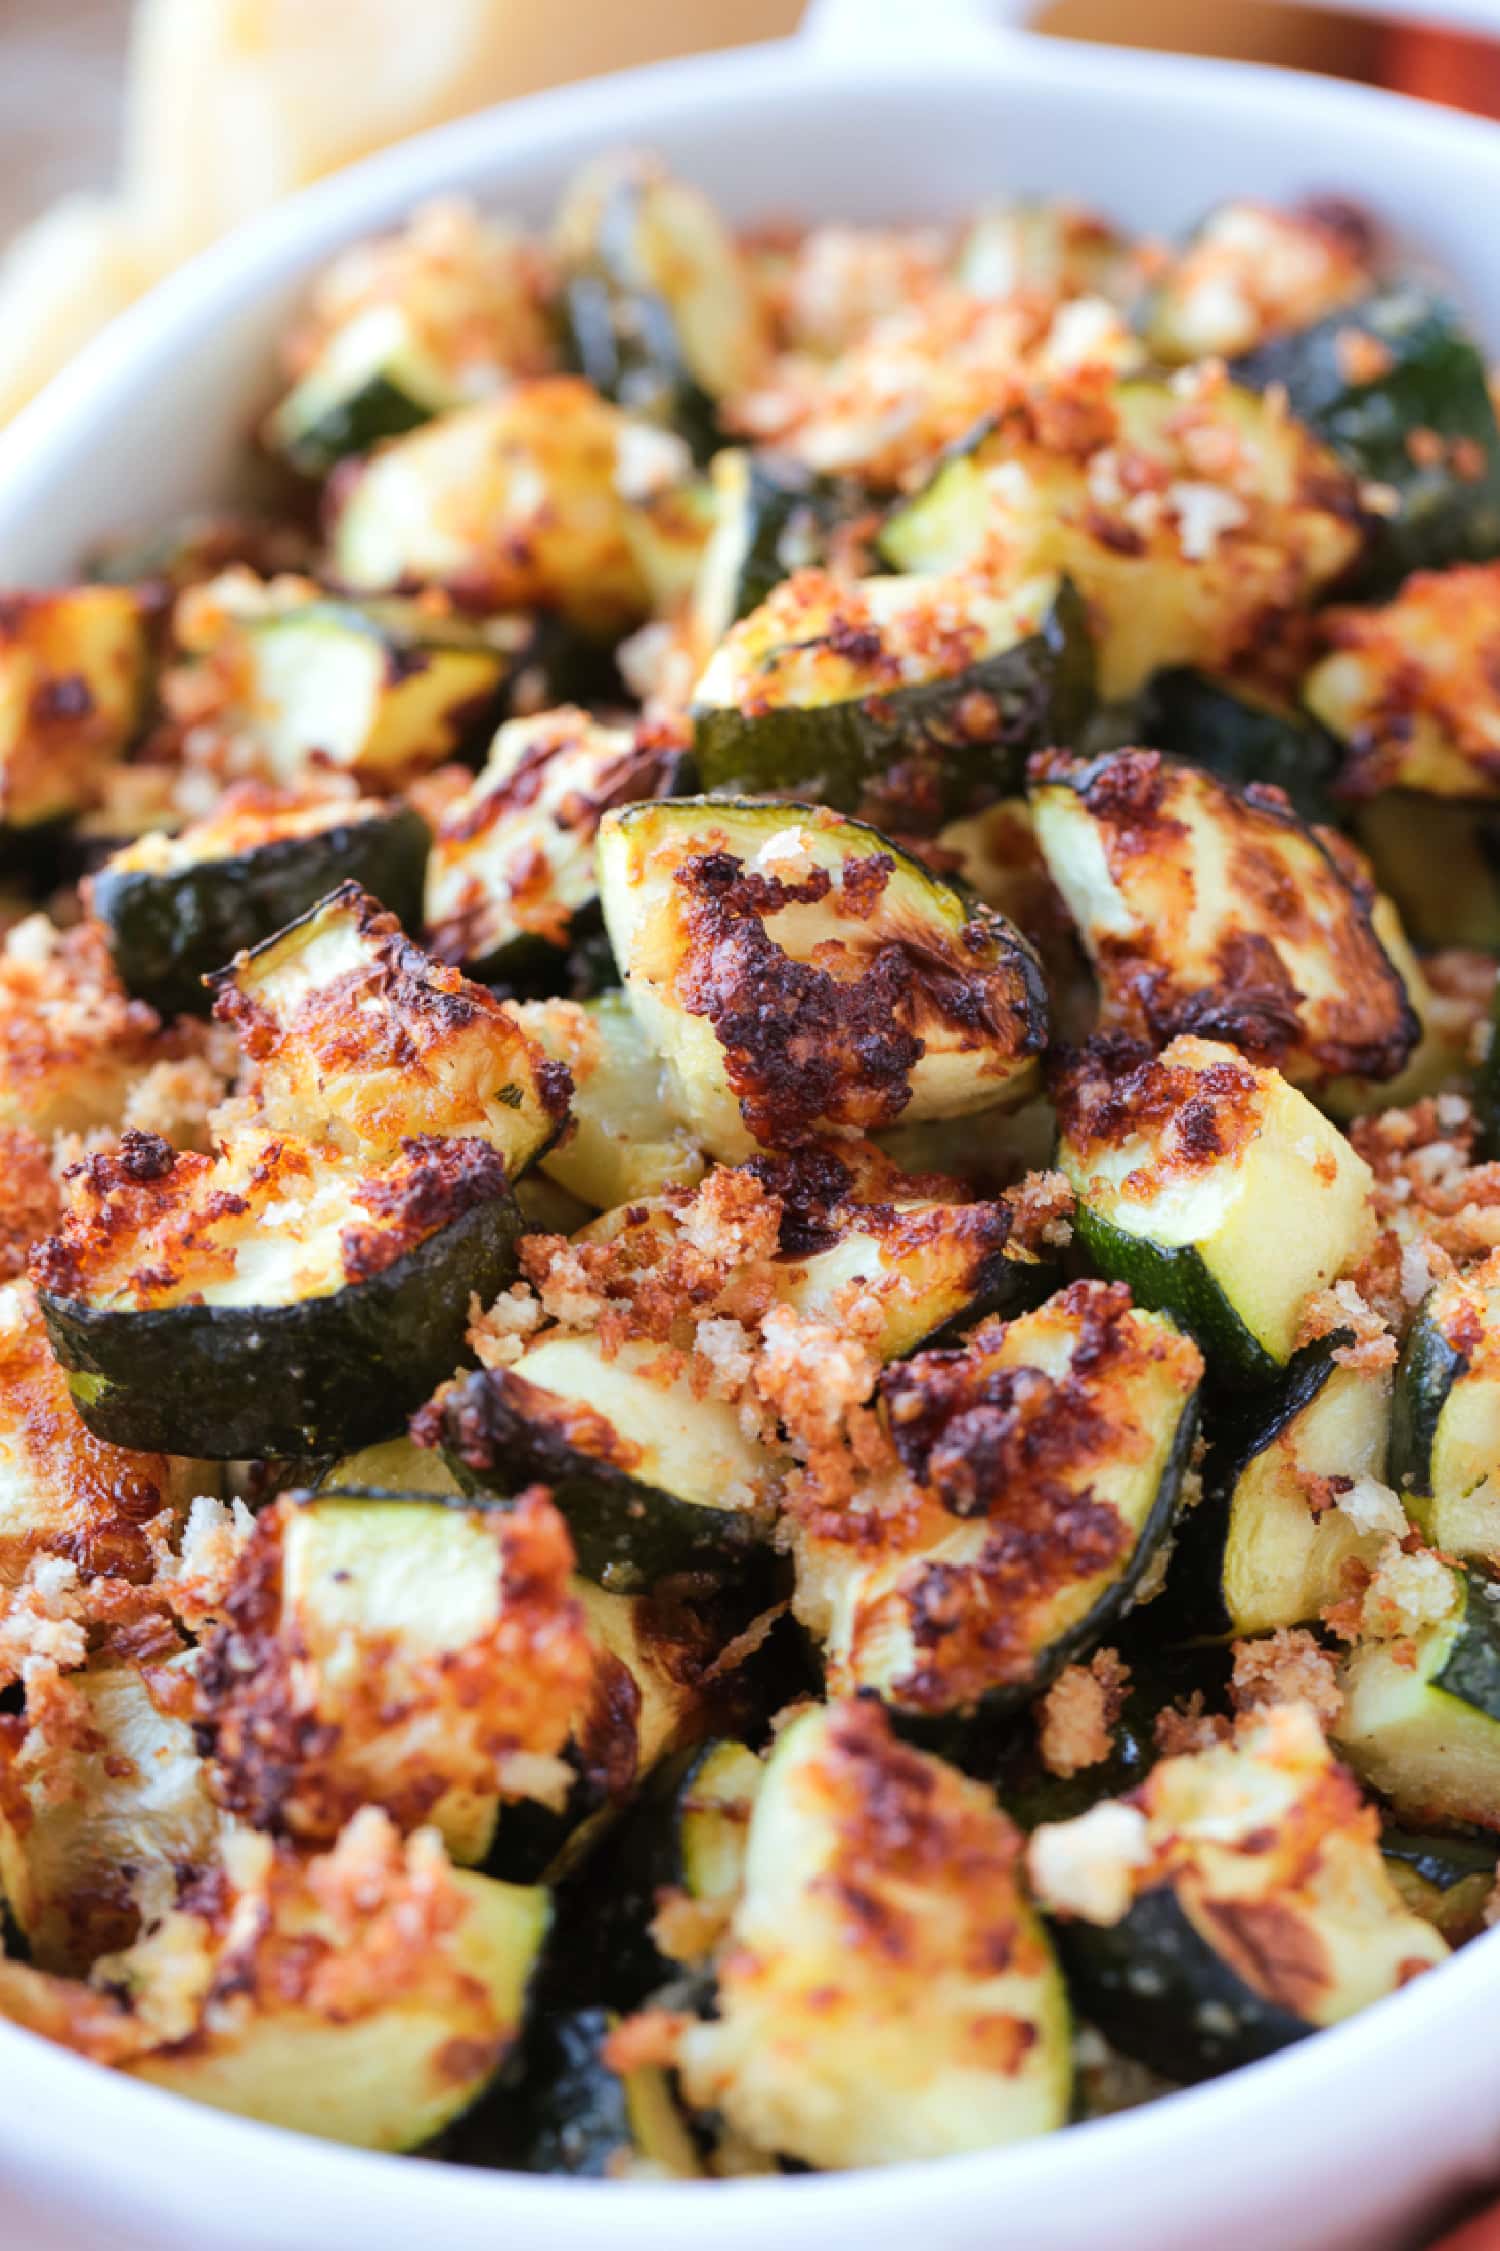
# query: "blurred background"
x,y
132,132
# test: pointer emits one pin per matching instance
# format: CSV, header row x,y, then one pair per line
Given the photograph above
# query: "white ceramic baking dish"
x,y
1359,2138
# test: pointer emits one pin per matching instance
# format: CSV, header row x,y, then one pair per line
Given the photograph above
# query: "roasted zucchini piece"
x,y
511,884
796,970
1044,1463
1409,689
1235,1903
1210,910
360,1038
575,2113
74,674
299,680
1439,860
274,1299
417,1654
64,1492
106,1823
1399,392
1247,517
886,1991
1445,1428
624,1141
513,503
444,311
1188,1166
771,517
909,701
1053,248
1446,1880
661,308
372,2040
1241,734
651,1478
1249,272
1440,1063
1421,1716
179,906
1294,1491
72,1042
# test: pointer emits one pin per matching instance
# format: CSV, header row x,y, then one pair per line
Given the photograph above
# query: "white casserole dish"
x,y
1359,2138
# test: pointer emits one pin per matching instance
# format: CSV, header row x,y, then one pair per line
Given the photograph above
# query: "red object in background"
x,y
1464,72
1482,2234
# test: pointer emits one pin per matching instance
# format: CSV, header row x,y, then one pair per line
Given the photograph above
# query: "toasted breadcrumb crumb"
x,y
1078,1714
1289,1666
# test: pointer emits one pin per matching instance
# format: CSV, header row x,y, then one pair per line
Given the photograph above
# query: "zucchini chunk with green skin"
x,y
660,306
1251,517
886,1992
408,1993
772,517
910,701
74,672
1187,1165
1400,394
1056,248
1249,272
298,680
1439,859
1043,1464
1209,910
63,1492
1408,689
415,1654
1421,1715
575,2114
448,308
512,883
178,907
1445,1429
1438,1064
272,1300
1241,735
1293,1494
624,1141
796,970
513,504
1446,1880
1234,1903
651,1478
359,1038
109,1819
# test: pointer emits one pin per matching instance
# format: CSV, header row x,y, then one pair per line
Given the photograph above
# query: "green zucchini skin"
x,y
1429,1368
905,759
784,506
1472,1671
168,931
1173,1279
1159,1993
568,2113
1446,1880
379,409
626,1533
1203,721
625,343
229,1382
1434,380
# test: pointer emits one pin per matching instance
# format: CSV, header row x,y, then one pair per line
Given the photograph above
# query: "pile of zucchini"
x,y
807,1399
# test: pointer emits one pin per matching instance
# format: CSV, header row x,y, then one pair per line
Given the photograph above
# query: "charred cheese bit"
x,y
72,1043
280,681
414,1655
74,670
512,503
1186,517
1210,910
1236,1901
358,1036
512,866
63,1492
886,1992
1251,272
1412,689
375,1990
111,1812
795,970
1186,1166
1043,1463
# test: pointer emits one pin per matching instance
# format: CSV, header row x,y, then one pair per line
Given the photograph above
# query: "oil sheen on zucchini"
x,y
1187,1166
796,970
